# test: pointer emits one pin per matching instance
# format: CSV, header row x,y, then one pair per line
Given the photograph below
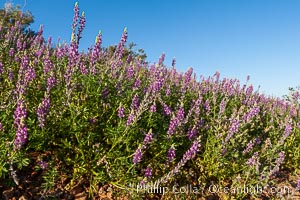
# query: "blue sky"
x,y
260,38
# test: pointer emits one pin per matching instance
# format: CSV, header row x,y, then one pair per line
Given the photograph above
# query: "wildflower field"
x,y
93,125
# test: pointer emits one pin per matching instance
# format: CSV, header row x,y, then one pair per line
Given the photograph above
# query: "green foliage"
x,y
10,15
87,139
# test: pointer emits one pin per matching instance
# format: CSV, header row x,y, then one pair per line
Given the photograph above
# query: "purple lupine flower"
x,y
129,59
222,106
250,114
60,52
191,153
249,147
172,126
175,121
83,69
43,111
166,110
11,75
30,75
19,44
1,126
24,64
81,27
135,102
43,164
137,83
121,112
148,138
158,84
1,68
75,20
192,132
121,45
173,62
171,154
257,141
254,160
153,108
50,82
11,52
217,75
248,78
137,157
293,111
161,59
48,65
93,120
233,129
249,90
298,183
148,172
180,114
287,131
207,106
168,92
130,72
21,136
188,75
105,93
20,113
280,158
295,95
130,119
223,151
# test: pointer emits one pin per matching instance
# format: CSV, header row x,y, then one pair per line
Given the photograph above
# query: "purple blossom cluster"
x,y
19,122
135,103
138,153
96,53
191,153
43,111
137,157
121,111
287,131
148,172
43,164
169,101
207,106
153,108
130,119
192,132
222,106
148,138
235,124
251,144
1,68
171,154
120,49
254,160
166,110
250,114
279,161
174,123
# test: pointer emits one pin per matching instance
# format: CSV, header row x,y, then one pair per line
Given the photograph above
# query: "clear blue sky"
x,y
260,38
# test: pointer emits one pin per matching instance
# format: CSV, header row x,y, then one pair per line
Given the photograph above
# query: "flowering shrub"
x,y
119,120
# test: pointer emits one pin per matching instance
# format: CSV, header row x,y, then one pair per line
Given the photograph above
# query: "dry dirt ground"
x,y
30,187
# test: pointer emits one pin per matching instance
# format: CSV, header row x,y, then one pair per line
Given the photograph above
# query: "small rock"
x,y
23,198
81,196
8,194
